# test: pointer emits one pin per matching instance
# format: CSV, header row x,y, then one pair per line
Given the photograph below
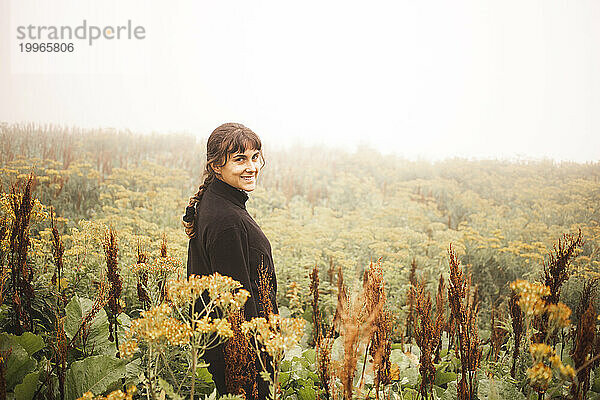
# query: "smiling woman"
x,y
241,169
224,238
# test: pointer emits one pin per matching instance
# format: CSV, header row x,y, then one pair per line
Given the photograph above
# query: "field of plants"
x,y
398,279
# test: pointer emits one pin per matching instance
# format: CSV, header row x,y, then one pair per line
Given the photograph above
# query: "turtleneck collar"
x,y
225,190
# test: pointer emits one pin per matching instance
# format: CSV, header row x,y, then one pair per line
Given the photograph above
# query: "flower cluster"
x,y
225,291
531,296
116,395
277,334
559,313
156,326
160,265
532,299
540,374
207,325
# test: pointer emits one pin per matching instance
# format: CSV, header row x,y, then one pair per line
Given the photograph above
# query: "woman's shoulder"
x,y
218,216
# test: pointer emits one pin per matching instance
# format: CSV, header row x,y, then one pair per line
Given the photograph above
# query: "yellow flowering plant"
x,y
273,336
172,324
532,300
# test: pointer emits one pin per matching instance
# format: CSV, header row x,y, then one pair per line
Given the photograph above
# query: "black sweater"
x,y
230,242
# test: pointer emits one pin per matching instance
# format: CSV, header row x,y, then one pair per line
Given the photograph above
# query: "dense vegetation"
x,y
92,247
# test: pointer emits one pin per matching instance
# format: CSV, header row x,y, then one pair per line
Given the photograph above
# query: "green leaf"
x,y
286,365
30,342
18,364
307,393
310,355
26,389
284,378
204,379
169,390
491,389
93,374
98,334
213,395
443,377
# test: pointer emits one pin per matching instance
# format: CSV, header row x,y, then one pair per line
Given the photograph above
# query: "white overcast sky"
x,y
432,79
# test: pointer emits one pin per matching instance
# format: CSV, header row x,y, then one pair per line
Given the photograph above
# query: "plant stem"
x,y
194,360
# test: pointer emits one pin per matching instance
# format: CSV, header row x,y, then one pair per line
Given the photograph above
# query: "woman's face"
x,y
241,169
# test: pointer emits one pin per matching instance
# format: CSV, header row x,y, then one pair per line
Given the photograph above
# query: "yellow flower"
x,y
539,376
395,372
203,325
559,314
566,372
540,351
223,327
115,395
277,334
128,348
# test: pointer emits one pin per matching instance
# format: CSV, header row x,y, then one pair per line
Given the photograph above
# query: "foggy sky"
x,y
431,79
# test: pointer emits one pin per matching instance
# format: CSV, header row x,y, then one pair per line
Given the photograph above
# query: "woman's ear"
x,y
214,168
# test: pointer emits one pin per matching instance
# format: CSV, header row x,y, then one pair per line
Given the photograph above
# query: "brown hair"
x,y
229,138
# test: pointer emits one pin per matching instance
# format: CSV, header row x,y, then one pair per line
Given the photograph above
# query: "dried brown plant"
x,y
58,249
240,361
323,348
426,338
294,296
556,269
21,204
516,316
582,351
410,301
264,291
314,292
162,282
555,274
380,345
323,344
440,316
497,336
101,299
142,278
111,251
331,270
356,327
464,313
4,269
59,346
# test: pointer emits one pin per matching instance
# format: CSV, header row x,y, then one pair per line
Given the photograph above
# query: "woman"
x,y
224,238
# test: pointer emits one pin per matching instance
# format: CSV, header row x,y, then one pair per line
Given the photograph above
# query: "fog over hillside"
x,y
475,79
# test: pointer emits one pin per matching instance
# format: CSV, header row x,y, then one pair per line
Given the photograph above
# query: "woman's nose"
x,y
252,166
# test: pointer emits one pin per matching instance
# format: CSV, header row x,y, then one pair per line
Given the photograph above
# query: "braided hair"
x,y
229,138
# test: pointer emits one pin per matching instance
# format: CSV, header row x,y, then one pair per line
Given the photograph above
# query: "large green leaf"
x,y
18,364
492,389
26,389
94,374
30,342
97,340
442,377
307,393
